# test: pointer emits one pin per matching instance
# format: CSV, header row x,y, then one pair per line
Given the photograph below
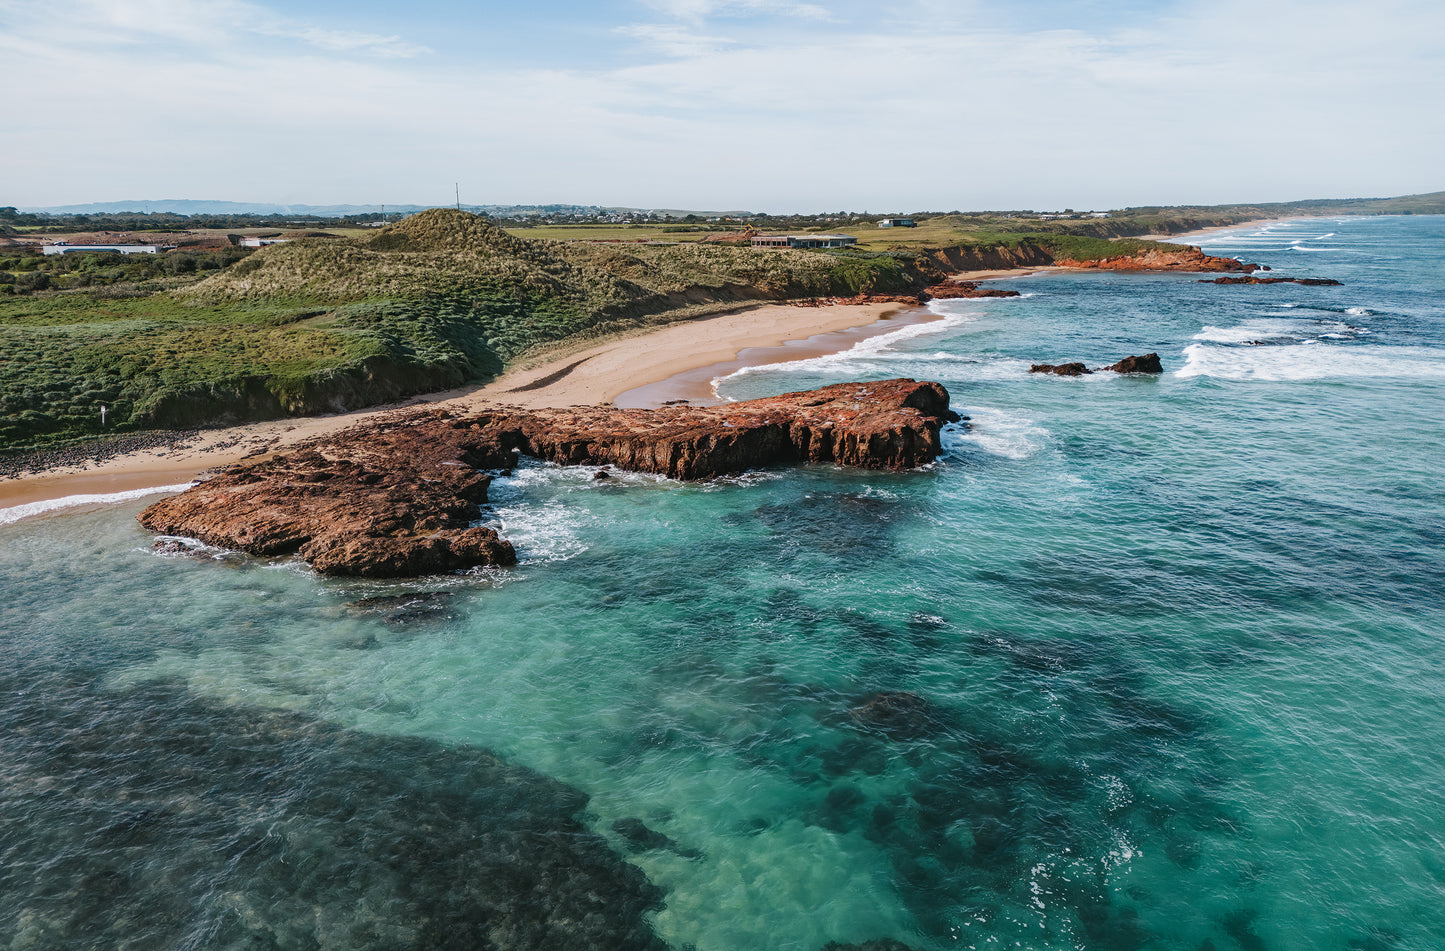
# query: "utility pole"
x,y
459,196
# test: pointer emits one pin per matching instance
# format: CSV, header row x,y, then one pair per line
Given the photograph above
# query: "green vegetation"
x,y
323,324
26,271
201,337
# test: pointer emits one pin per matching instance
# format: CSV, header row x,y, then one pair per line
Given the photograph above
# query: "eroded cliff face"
x,y
396,497
953,260
1190,259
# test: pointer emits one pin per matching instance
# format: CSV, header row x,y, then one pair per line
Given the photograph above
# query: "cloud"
x,y
670,40
697,10
346,41
1216,102
219,25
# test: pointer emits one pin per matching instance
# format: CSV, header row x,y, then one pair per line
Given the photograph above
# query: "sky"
x,y
761,105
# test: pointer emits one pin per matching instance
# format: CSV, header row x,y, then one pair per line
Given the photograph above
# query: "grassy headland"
x,y
322,324
201,337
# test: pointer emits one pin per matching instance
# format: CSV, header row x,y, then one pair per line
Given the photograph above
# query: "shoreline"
x,y
594,374
1190,235
641,368
695,384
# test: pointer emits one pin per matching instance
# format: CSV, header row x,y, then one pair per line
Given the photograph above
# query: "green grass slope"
x,y
319,325
444,297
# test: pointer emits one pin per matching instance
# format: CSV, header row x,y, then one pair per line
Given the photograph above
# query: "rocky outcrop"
x,y
1061,369
948,290
1189,259
944,290
396,504
397,497
1307,281
1148,363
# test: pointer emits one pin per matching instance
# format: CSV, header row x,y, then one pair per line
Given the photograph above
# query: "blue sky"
x,y
773,105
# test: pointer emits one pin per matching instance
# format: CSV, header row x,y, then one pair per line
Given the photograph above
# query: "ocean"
x,y
1140,663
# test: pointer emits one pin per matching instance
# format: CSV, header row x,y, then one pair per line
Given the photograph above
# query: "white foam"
x,y
16,512
1284,328
995,433
1316,362
1247,333
873,348
525,510
541,531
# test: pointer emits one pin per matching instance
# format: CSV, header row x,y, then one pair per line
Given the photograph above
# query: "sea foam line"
x,y
16,512
1302,362
870,347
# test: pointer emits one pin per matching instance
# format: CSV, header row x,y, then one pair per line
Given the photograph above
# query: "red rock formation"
x,y
950,289
1308,281
945,290
395,497
1190,259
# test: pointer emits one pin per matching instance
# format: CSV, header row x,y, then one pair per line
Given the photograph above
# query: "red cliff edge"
x,y
1190,259
395,497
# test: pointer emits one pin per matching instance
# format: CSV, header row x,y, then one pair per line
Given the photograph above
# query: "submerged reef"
x,y
153,819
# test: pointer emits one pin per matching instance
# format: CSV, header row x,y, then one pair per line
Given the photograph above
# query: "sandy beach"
x,y
1188,236
586,374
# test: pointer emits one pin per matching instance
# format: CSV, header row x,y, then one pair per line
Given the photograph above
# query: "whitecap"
x,y
874,349
1280,329
1257,332
1311,361
16,512
995,433
541,531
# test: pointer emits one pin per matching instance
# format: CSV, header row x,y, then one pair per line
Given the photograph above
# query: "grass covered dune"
x,y
438,300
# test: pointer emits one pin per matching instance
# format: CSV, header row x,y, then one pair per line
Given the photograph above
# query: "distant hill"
x,y
186,206
1431,203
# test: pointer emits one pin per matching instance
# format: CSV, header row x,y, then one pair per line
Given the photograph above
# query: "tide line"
x,y
30,509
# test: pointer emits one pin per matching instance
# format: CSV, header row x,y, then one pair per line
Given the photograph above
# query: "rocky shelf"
x,y
1148,363
1307,281
396,497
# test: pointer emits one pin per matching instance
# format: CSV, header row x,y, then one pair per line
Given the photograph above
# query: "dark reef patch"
x,y
152,819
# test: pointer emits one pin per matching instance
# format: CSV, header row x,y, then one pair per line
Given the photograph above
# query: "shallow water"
x,y
1141,663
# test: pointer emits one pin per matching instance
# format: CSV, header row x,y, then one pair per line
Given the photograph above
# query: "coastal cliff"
x,y
397,497
1186,259
437,300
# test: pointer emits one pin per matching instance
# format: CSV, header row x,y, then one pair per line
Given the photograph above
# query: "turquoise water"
x,y
1140,663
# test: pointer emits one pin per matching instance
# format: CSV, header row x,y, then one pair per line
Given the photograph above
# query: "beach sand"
x,y
584,374
1187,237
